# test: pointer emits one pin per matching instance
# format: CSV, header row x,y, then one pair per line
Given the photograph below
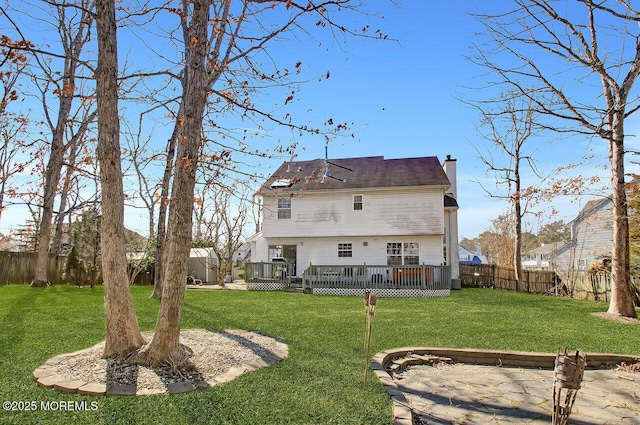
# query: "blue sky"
x,y
400,98
403,98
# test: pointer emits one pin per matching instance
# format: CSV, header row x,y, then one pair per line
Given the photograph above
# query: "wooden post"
x,y
364,274
370,301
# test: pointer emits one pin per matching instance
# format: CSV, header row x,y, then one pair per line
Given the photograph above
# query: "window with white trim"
x,y
275,251
284,208
407,253
357,202
394,254
345,250
581,264
411,252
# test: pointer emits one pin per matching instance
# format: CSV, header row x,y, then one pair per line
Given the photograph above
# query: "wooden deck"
x,y
387,281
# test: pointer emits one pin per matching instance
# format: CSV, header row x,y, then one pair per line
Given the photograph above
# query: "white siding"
x,y
260,250
384,213
370,250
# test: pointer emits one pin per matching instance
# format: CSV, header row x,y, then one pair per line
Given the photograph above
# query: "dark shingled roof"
x,y
368,172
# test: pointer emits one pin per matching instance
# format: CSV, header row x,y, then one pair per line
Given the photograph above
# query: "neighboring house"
x,y
591,237
467,256
542,257
360,210
135,241
591,242
242,255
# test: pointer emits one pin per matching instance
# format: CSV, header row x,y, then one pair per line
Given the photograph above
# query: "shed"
x,y
203,265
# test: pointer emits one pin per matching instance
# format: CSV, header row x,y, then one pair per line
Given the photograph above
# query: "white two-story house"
x,y
360,210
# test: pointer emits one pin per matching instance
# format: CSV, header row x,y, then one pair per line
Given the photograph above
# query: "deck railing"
x,y
264,272
377,277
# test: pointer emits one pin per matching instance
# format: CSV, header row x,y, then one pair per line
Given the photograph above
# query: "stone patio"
x,y
494,387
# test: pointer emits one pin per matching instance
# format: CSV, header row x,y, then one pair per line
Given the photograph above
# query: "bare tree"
x,y
123,334
67,182
200,209
507,126
74,28
141,159
11,145
224,226
221,41
165,347
161,234
12,124
564,49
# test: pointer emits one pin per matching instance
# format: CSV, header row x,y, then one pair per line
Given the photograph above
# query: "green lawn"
x,y
320,382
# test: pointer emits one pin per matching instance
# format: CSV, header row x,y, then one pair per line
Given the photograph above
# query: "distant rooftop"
x,y
546,248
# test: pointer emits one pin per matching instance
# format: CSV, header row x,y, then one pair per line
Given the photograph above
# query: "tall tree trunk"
x,y
66,187
56,244
621,294
50,190
51,180
517,251
161,238
165,347
123,334
3,185
517,240
73,148
73,41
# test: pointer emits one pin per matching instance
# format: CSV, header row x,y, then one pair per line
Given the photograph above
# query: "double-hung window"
x,y
284,208
357,202
394,254
345,250
411,252
407,253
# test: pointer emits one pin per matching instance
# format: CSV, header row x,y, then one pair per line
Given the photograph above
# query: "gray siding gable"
x,y
592,236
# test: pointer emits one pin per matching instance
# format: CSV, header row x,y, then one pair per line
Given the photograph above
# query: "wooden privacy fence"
x,y
490,276
583,285
594,286
18,268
